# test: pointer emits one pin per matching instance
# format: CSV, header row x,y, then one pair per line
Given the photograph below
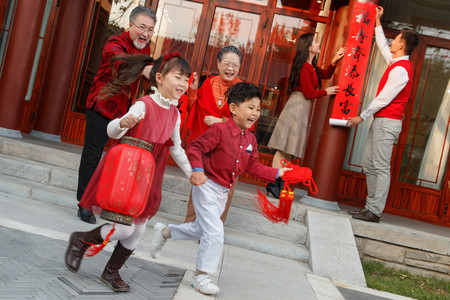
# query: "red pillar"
x,y
333,140
19,61
61,66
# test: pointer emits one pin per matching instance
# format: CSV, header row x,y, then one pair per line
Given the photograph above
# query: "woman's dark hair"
x,y
241,92
128,68
229,49
301,55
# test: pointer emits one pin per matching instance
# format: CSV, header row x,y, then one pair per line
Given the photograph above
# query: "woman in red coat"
x,y
207,106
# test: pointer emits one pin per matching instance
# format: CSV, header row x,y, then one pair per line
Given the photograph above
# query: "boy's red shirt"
x,y
224,151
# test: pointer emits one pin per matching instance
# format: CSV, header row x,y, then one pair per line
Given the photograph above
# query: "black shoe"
x,y
357,212
86,216
368,216
273,189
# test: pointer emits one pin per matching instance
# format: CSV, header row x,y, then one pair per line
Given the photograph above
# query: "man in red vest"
x,y
387,109
100,111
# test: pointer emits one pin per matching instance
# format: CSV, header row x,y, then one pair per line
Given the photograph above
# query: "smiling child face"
x,y
245,114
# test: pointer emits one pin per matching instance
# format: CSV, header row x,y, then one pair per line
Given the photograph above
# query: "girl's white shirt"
x,y
138,110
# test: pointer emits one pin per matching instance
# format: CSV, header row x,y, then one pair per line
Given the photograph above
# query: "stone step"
x,y
248,240
237,235
48,152
174,181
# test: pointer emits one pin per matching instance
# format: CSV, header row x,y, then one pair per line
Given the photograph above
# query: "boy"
x,y
218,157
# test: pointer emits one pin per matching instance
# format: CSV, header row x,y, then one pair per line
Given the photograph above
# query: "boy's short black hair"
x,y
411,39
242,91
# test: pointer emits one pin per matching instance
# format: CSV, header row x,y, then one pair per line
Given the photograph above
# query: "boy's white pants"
x,y
209,202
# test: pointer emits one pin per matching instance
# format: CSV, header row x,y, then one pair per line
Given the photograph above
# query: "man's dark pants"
x,y
95,139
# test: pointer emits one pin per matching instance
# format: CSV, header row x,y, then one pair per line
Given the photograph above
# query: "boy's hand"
x,y
129,121
282,171
198,178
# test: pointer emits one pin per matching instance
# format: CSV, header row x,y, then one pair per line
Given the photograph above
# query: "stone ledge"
x,y
415,240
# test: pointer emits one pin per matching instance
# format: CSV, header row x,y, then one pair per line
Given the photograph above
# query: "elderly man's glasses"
x,y
144,29
228,64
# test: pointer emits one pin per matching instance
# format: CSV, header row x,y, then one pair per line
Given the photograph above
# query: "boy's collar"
x,y
235,129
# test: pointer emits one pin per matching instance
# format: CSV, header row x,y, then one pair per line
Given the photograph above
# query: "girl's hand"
x,y
339,55
198,178
282,171
332,90
209,120
194,83
129,121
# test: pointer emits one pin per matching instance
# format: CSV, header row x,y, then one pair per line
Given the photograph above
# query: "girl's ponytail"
x,y
126,70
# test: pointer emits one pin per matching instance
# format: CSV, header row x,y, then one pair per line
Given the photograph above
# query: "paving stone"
x,y
35,269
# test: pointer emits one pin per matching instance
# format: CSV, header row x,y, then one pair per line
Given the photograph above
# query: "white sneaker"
x,y
204,284
158,240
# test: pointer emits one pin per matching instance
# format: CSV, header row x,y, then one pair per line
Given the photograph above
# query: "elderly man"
x,y
100,111
387,108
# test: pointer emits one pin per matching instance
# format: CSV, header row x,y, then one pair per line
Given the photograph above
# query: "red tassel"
x,y
272,212
96,248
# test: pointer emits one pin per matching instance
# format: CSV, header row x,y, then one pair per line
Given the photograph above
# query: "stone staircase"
x,y
48,171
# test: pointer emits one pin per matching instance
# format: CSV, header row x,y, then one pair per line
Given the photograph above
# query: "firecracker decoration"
x,y
96,248
281,212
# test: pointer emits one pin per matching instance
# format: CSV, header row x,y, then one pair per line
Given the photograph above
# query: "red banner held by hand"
x,y
355,63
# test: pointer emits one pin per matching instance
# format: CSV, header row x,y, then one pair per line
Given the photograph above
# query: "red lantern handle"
x,y
139,129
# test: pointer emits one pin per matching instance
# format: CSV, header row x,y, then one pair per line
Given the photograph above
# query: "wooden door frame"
x,y
31,106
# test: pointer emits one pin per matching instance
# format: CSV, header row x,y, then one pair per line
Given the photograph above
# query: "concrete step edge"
x,y
246,240
66,198
39,153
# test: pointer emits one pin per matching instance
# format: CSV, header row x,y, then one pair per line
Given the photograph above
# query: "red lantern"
x,y
126,180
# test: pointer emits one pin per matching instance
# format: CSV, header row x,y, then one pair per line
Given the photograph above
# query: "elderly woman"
x,y
207,105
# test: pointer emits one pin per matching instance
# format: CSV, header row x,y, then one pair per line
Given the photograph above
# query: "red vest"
x,y
395,109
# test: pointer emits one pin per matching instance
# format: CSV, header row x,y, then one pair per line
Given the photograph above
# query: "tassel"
x,y
272,212
281,213
96,248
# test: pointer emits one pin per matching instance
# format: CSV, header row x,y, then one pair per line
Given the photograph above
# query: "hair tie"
x,y
169,57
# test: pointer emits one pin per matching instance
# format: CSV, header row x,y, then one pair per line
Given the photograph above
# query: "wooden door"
x,y
31,102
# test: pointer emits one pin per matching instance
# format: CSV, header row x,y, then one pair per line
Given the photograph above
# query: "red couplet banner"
x,y
354,63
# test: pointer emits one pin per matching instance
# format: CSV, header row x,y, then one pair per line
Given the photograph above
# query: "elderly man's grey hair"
x,y
142,10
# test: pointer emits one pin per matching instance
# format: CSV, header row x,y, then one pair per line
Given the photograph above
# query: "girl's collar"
x,y
162,101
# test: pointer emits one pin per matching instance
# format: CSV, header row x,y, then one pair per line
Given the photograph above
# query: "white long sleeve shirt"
x,y
138,110
397,79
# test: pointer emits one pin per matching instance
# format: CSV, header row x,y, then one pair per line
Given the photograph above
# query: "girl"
x,y
161,122
289,135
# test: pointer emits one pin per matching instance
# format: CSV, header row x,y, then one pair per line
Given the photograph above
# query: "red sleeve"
x,y
202,145
257,169
326,74
309,83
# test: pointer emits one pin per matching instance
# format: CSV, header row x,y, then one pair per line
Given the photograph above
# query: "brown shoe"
x,y
111,274
79,242
368,216
357,212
